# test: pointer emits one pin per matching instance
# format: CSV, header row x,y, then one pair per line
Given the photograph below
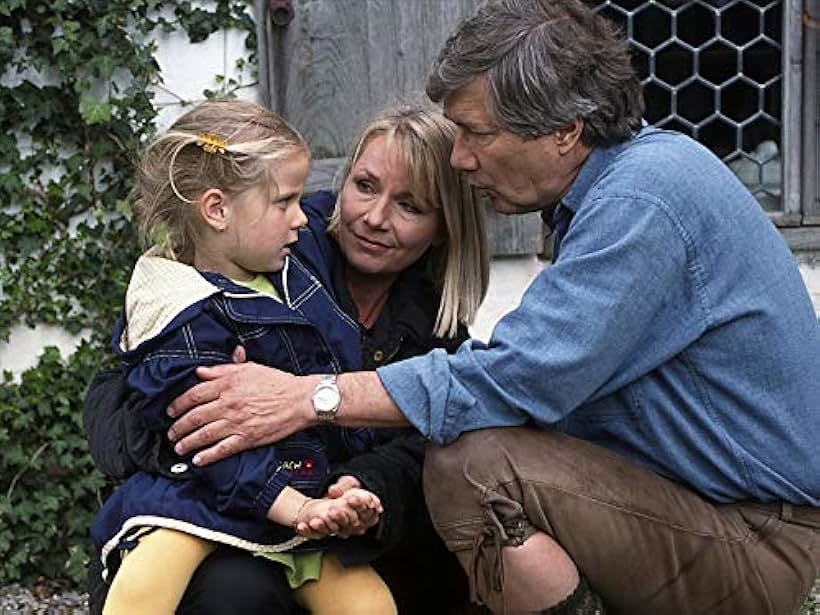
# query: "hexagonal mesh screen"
x,y
713,70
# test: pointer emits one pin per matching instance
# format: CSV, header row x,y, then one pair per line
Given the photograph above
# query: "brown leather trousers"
x,y
646,544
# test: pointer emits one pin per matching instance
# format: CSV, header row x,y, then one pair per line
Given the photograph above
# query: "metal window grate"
x,y
713,70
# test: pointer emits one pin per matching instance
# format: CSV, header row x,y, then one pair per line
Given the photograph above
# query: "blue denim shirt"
x,y
674,328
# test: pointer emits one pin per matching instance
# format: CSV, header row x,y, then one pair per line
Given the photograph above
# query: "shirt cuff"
x,y
420,387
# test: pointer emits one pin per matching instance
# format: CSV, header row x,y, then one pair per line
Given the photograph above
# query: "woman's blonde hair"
x,y
460,265
226,144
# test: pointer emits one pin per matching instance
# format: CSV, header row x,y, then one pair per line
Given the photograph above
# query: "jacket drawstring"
x,y
285,282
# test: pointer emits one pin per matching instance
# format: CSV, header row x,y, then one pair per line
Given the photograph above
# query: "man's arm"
x,y
588,325
239,407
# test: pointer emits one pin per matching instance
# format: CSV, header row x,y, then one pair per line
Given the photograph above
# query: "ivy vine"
x,y
76,102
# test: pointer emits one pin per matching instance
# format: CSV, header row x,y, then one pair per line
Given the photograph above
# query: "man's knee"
x,y
472,489
500,459
453,488
446,467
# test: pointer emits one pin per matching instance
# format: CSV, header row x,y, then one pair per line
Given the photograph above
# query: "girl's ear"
x,y
213,208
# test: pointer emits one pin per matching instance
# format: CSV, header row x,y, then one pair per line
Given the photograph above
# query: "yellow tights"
x,y
153,577
356,590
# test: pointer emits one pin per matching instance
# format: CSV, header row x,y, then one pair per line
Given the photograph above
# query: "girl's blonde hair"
x,y
460,266
226,144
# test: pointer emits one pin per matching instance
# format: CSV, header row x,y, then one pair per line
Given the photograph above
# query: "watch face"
x,y
326,399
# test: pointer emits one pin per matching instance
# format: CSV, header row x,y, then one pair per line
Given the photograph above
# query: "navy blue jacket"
x,y
162,342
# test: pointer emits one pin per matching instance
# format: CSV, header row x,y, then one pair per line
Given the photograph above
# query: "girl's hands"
x,y
350,514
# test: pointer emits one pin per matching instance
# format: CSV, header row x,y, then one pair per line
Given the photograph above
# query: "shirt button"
x,y
179,468
378,356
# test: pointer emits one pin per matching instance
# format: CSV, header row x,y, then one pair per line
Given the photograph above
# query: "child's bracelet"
x,y
299,512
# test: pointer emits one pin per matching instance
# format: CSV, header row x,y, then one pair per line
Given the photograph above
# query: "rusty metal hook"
x,y
281,12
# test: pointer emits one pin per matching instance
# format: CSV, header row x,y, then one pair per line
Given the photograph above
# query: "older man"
x,y
646,421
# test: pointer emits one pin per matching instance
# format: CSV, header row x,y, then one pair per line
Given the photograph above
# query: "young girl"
x,y
220,194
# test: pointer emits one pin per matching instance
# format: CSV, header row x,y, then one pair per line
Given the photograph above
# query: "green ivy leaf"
x,y
94,112
104,66
7,36
59,45
8,6
71,30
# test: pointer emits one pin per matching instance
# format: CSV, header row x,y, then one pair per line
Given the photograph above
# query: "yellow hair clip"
x,y
211,143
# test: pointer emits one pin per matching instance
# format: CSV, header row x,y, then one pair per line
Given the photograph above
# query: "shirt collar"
x,y
596,163
592,167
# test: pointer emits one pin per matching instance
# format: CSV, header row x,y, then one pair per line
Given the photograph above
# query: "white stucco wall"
x,y
189,69
810,269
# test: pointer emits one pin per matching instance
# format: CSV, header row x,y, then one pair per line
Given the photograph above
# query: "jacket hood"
x,y
160,289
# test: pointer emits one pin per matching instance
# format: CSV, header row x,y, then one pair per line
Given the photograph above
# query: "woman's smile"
x,y
371,243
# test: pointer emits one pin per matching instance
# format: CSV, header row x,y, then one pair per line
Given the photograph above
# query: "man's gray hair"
x,y
548,63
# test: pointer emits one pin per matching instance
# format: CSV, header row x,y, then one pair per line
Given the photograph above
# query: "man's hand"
x,y
239,407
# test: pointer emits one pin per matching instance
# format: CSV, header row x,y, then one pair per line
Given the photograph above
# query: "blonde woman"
x,y
405,253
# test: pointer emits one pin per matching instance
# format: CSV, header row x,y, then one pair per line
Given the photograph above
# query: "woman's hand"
x,y
239,407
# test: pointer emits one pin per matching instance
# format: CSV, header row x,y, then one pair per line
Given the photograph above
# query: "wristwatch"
x,y
326,398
